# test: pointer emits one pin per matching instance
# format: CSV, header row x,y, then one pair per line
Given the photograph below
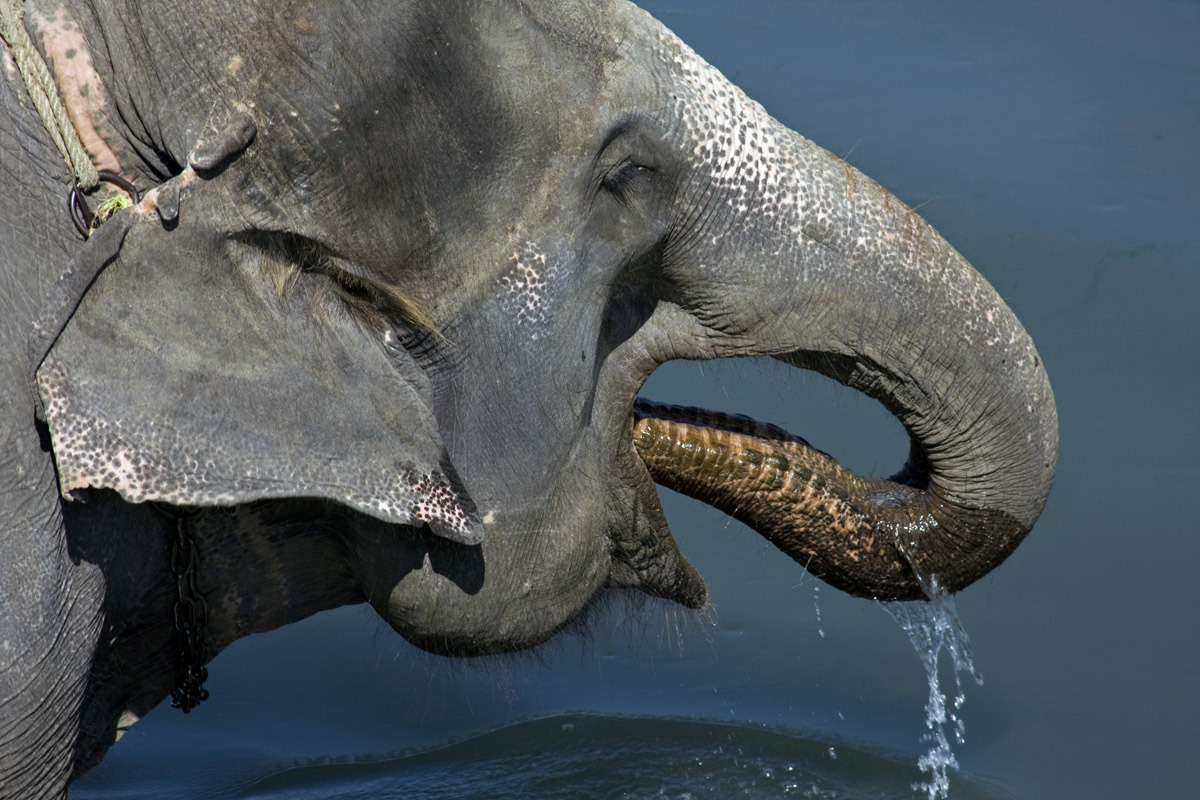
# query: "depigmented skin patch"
x,y
164,198
524,287
79,84
10,71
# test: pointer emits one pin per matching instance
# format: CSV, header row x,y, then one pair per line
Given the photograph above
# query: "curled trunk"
x,y
817,265
887,539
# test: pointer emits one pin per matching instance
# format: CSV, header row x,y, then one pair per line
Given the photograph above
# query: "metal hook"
x,y
77,205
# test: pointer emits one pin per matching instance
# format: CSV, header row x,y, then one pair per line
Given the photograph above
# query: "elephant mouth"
x,y
858,534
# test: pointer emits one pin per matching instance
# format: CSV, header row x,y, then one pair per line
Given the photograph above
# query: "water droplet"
x,y
833,754
817,609
933,627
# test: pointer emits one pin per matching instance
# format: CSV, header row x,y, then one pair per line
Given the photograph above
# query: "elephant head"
x,y
419,259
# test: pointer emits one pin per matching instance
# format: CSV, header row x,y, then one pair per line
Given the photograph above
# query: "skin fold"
x,y
380,321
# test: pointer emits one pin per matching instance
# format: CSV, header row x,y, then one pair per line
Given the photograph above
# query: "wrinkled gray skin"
x,y
425,256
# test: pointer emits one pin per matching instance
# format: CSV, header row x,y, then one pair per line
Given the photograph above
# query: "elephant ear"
x,y
184,376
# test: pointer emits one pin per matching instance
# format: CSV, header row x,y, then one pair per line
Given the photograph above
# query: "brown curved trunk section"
x,y
871,538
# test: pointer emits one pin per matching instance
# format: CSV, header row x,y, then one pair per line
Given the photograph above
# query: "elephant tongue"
x,y
802,500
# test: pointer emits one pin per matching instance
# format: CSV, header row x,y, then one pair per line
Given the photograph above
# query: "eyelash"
x,y
618,179
354,288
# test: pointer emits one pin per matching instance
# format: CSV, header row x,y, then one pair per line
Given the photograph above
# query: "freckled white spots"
x,y
159,462
525,288
739,149
761,171
124,468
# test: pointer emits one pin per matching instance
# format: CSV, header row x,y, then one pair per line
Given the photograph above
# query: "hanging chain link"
x,y
191,617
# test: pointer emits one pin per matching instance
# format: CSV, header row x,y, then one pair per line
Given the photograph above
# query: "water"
x,y
1055,145
933,628
591,756
817,609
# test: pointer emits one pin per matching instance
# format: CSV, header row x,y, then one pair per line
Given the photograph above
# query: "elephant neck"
x,y
257,568
271,564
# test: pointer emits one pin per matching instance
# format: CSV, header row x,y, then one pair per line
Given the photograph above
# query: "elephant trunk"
x,y
830,272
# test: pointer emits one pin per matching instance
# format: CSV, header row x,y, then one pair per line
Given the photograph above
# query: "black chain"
x,y
191,617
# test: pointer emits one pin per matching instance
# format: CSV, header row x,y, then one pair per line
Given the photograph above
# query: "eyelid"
x,y
628,163
623,168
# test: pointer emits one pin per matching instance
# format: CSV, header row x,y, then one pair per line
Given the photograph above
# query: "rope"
x,y
44,93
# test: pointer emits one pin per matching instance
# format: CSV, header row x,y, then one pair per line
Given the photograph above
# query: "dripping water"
x,y
933,627
817,609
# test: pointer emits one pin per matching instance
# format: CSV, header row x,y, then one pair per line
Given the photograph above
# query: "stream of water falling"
x,y
932,627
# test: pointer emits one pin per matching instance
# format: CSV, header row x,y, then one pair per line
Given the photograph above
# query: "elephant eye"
x,y
624,178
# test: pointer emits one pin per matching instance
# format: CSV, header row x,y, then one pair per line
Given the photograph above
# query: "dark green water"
x,y
1057,145
610,757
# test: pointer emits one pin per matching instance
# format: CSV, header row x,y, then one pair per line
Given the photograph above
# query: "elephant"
x,y
374,326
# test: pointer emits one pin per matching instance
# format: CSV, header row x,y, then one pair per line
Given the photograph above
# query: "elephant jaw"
x,y
867,537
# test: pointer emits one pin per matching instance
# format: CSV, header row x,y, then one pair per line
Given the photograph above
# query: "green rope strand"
x,y
44,93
